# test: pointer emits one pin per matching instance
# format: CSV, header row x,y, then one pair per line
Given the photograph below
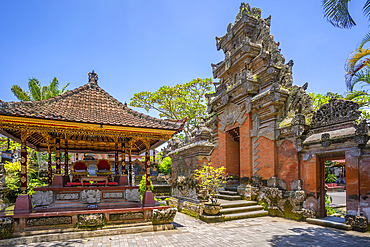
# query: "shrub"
x,y
165,166
142,186
331,178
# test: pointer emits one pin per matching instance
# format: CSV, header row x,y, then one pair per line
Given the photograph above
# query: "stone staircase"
x,y
234,208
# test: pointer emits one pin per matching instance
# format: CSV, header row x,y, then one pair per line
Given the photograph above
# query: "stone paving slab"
x,y
264,231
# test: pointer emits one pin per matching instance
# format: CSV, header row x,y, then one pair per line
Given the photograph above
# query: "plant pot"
x,y
212,209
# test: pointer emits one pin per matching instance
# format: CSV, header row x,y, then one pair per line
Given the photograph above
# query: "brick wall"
x,y
246,162
287,166
310,176
266,167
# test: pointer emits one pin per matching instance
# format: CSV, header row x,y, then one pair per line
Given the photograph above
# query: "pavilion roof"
x,y
87,104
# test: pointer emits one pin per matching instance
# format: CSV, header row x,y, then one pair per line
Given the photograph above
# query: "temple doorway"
x,y
233,153
333,185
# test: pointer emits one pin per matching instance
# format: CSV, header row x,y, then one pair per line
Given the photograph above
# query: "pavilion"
x,y
86,119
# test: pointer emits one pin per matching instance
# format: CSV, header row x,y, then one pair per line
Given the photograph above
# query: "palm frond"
x,y
64,89
366,9
362,76
20,93
354,58
54,87
35,89
337,13
365,39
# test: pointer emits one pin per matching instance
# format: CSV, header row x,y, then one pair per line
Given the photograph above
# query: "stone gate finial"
x,y
93,77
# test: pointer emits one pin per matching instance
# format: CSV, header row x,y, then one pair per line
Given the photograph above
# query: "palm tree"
x,y
37,92
337,13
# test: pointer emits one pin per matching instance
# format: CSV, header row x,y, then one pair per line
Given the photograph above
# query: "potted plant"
x,y
209,180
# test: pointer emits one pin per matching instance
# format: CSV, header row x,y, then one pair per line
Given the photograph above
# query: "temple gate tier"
x,y
84,120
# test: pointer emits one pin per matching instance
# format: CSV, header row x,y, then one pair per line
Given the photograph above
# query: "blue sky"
x,y
142,45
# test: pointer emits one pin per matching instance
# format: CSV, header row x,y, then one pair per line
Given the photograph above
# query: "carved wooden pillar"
x,y
66,158
131,172
116,162
24,136
147,168
148,198
23,203
57,155
50,175
123,160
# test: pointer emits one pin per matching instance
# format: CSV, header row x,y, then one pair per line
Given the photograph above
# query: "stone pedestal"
x,y
57,181
148,199
122,180
23,204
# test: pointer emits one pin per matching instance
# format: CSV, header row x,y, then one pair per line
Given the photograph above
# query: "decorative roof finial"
x,y
93,77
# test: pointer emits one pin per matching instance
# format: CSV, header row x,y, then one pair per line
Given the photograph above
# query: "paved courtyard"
x,y
264,231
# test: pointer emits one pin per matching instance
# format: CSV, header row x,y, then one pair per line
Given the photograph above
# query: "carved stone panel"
x,y
127,216
109,195
91,196
233,113
68,196
6,227
334,112
88,220
42,198
163,216
132,195
49,221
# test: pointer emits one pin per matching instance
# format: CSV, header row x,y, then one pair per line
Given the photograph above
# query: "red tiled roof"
x,y
87,104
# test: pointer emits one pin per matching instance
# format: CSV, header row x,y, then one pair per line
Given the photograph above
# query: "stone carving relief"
x,y
308,213
355,152
285,76
334,112
6,227
325,140
91,196
90,220
359,222
298,124
68,196
132,195
109,195
163,216
127,216
233,113
297,198
361,133
42,198
49,221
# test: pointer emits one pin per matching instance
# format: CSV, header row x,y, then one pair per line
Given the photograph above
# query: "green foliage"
x,y
165,166
178,102
331,178
13,177
37,92
210,179
361,98
328,201
142,186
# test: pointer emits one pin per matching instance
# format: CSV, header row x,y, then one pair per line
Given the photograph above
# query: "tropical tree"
x,y
357,69
178,102
37,92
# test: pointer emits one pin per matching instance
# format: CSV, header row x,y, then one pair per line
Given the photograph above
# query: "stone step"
x,y
236,204
241,209
228,197
244,215
227,192
232,188
334,222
